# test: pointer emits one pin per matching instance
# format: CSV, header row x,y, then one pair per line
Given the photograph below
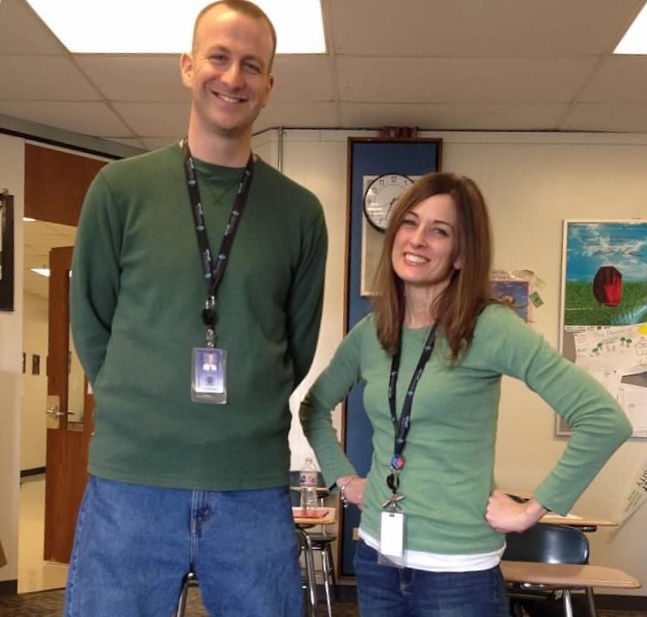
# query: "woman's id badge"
x,y
392,534
209,376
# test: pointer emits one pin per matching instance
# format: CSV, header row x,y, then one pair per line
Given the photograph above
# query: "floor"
x,y
50,604
35,574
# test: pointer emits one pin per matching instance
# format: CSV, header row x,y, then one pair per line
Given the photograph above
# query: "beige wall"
x,y
34,387
532,182
11,177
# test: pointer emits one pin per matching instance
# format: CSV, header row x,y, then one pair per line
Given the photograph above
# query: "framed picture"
x,y
603,317
6,252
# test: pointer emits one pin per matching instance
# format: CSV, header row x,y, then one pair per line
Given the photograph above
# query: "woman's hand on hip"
x,y
506,515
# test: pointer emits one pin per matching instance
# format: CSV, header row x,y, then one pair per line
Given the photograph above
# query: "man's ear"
x,y
186,70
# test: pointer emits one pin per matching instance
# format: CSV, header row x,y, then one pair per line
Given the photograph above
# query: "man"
x,y
185,477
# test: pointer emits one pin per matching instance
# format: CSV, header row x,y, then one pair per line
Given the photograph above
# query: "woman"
x,y
431,356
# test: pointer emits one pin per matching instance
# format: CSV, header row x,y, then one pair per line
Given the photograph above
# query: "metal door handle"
x,y
55,412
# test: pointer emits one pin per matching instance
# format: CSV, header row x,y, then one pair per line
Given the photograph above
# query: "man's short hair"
x,y
243,7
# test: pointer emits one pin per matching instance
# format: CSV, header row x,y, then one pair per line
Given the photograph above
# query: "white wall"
x,y
33,431
532,182
11,178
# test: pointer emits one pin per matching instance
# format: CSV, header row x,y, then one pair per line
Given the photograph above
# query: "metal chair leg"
x,y
590,600
325,569
333,575
310,571
568,606
181,603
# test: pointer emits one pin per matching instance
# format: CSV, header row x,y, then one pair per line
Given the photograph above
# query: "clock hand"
x,y
386,216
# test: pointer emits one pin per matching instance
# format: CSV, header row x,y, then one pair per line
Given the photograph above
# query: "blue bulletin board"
x,y
367,159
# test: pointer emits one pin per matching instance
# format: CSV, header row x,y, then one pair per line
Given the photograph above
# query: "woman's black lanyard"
x,y
213,272
401,428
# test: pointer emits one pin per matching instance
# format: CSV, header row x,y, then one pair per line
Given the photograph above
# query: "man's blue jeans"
x,y
388,591
134,544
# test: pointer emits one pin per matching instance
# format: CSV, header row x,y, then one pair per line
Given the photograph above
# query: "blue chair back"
x,y
548,543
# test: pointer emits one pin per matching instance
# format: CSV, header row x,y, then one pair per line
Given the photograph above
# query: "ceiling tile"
x,y
620,79
23,32
492,28
454,117
608,118
43,78
469,64
95,119
155,119
303,78
299,115
136,77
461,80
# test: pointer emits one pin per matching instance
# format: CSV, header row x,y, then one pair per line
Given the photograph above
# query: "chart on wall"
x,y
604,310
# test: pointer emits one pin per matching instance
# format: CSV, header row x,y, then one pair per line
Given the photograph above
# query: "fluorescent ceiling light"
x,y
41,271
144,27
635,39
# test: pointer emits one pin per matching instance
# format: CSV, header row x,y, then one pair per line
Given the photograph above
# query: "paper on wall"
x,y
636,495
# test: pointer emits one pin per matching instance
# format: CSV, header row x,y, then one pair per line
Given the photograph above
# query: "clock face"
x,y
380,197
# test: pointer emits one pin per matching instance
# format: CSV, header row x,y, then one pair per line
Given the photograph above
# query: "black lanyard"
x,y
214,271
402,428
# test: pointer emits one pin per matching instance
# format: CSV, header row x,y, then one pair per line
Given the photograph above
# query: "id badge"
x,y
392,534
209,376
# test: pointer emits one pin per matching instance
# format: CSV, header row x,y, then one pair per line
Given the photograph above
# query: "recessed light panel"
x,y
154,27
635,39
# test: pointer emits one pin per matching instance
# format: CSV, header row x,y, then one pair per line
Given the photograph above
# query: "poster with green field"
x,y
604,309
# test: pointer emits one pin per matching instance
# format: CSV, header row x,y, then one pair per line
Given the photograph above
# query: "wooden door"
x,y
68,429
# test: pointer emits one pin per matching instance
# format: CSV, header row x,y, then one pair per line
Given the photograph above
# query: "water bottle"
x,y
308,486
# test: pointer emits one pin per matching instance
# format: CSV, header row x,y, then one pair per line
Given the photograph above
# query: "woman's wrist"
x,y
343,483
534,510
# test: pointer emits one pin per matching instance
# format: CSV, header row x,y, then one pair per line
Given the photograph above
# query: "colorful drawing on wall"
x,y
513,292
605,273
604,310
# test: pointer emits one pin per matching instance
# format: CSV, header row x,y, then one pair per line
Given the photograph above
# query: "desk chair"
x,y
554,544
320,542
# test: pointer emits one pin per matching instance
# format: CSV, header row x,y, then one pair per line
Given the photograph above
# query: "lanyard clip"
x,y
209,313
393,503
209,320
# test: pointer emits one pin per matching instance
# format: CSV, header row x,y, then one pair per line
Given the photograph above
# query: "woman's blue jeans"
x,y
389,591
134,545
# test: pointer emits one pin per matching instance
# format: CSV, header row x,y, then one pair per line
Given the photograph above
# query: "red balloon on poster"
x,y
607,286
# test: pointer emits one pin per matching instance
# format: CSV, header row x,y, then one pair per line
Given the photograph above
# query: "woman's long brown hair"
x,y
469,290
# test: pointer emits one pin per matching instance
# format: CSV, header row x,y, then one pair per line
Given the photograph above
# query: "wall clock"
x,y
380,197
